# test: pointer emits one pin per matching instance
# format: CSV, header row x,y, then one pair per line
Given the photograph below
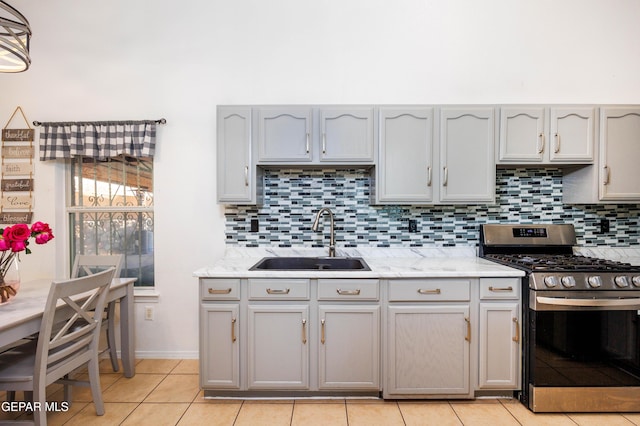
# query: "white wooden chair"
x,y
61,350
85,264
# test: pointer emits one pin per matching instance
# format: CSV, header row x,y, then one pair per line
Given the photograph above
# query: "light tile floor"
x,y
166,392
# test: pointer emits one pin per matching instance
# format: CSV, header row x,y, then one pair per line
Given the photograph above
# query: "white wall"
x,y
123,59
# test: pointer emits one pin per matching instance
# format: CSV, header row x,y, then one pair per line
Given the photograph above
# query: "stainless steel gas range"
x,y
581,332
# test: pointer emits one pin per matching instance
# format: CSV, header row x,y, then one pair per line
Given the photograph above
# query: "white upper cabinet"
x,y
467,168
309,136
619,154
405,157
346,134
541,135
236,171
284,134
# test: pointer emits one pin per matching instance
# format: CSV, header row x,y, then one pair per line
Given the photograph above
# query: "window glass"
x,y
111,212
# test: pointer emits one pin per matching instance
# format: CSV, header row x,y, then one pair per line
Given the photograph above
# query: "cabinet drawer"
x,y
279,289
499,288
337,289
429,290
219,289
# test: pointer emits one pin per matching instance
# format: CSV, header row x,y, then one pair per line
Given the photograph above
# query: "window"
x,y
111,211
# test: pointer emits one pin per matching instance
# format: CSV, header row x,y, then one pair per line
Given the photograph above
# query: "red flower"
x,y
17,236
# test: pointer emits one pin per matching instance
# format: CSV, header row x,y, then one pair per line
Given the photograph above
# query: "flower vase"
x,y
9,281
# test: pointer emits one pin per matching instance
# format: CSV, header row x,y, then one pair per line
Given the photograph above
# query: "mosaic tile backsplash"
x,y
523,195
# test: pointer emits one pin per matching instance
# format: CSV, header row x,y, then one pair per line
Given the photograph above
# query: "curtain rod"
x,y
68,123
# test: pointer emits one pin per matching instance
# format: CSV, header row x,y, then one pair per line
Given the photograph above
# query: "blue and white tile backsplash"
x,y
523,195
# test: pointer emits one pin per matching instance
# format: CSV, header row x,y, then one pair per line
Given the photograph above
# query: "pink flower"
x,y
4,244
42,232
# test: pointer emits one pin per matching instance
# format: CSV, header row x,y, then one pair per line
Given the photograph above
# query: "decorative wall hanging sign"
x,y
12,185
16,202
16,152
11,218
16,185
17,135
17,169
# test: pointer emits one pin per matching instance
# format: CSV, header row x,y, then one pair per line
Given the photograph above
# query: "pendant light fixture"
x,y
15,35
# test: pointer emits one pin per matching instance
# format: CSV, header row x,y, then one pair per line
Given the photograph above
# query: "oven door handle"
x,y
633,303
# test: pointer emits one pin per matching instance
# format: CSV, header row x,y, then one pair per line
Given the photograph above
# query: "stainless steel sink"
x,y
311,264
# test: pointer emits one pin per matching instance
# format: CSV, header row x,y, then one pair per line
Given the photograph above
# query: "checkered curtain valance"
x,y
100,140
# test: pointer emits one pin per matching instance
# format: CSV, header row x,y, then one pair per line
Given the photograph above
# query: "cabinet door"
x,y
499,345
278,347
219,353
236,180
620,154
405,156
522,134
349,347
571,134
428,350
284,134
346,134
467,166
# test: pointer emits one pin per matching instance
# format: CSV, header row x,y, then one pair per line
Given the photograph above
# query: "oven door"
x,y
582,351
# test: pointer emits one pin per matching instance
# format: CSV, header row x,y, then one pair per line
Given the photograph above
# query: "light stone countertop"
x,y
384,263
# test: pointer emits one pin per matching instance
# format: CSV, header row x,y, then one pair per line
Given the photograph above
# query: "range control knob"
x,y
622,281
551,281
595,281
568,281
636,281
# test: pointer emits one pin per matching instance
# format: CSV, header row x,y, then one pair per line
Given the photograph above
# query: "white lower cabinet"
x,y
349,351
278,347
500,334
219,328
428,338
410,338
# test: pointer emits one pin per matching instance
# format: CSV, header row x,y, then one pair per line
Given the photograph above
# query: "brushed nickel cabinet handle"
x,y
304,331
541,143
322,331
278,291
219,290
557,148
348,292
517,336
233,330
445,181
492,288
324,143
307,143
429,176
429,291
246,175
468,336
606,175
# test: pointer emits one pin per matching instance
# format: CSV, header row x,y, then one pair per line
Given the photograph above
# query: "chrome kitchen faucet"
x,y
332,240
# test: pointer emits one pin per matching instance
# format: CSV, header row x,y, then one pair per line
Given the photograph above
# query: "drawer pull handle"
x,y
606,175
219,290
348,292
541,143
468,336
278,291
322,331
324,143
307,143
429,291
557,149
246,175
233,330
517,336
304,331
429,176
492,288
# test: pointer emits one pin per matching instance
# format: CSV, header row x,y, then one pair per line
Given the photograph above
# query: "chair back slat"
x,y
78,337
87,264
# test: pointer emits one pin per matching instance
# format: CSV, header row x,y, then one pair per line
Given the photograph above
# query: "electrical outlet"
x,y
148,313
413,225
255,226
604,226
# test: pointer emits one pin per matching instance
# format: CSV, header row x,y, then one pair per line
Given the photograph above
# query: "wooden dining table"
x,y
22,316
